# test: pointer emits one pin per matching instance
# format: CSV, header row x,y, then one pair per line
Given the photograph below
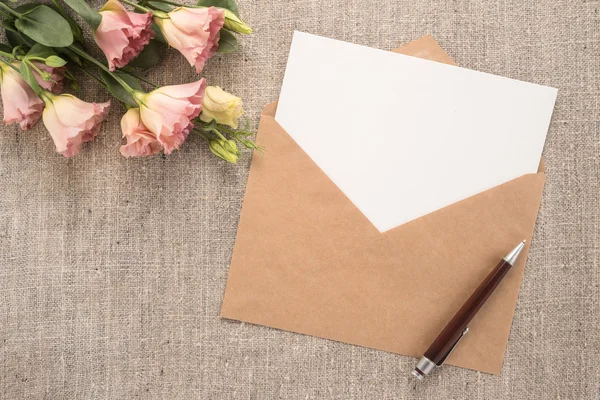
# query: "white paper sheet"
x,y
403,137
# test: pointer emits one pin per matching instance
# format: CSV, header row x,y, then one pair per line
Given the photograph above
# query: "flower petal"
x,y
122,35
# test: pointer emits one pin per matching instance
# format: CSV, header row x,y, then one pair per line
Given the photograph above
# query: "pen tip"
x,y
524,241
511,257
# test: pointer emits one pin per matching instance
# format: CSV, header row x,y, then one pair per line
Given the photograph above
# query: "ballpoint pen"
x,y
447,340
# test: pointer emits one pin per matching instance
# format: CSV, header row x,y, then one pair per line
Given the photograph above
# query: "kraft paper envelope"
x,y
307,260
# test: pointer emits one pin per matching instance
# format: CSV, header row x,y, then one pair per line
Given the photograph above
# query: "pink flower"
x,y
56,75
168,112
72,122
122,34
194,32
140,141
21,105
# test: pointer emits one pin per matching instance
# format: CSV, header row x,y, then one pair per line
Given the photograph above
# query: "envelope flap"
x,y
452,250
270,109
427,48
293,207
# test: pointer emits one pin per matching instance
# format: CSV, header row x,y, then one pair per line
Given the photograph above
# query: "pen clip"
x,y
453,346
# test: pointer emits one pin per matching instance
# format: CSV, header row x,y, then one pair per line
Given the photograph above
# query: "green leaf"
x,y
74,85
16,39
119,91
55,61
24,8
92,17
131,81
40,51
75,28
30,78
69,54
230,5
227,42
161,6
5,49
158,35
45,26
149,57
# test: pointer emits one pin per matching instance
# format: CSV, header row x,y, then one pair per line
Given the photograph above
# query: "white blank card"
x,y
403,137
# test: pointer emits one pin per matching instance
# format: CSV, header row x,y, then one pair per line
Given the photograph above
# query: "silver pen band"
x,y
424,367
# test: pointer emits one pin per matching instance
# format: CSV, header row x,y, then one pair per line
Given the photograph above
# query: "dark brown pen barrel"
x,y
455,328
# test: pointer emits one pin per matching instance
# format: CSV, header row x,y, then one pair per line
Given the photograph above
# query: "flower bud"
x,y
224,149
55,61
231,147
46,76
221,106
233,23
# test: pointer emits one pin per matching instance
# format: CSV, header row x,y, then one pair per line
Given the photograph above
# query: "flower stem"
x,y
171,3
154,85
60,8
88,57
88,73
10,10
227,130
137,6
34,67
47,96
141,78
219,134
10,65
202,134
9,55
104,67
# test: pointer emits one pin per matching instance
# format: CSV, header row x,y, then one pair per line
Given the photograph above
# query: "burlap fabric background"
x,y
113,270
